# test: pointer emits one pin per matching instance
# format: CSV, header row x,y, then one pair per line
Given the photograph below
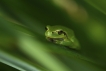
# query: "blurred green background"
x,y
23,45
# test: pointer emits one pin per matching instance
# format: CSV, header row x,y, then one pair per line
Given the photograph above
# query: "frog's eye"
x,y
61,32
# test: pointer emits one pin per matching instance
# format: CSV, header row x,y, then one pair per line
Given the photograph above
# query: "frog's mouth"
x,y
54,39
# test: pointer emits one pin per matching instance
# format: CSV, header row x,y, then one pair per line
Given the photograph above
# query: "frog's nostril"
x,y
52,32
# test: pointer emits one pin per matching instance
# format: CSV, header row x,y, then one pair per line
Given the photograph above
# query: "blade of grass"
x,y
16,63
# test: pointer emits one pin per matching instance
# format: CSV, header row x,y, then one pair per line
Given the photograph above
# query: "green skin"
x,y
62,36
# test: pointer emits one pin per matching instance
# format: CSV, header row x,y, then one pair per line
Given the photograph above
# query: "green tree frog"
x,y
61,35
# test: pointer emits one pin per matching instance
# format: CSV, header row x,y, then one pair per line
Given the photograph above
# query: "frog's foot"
x,y
55,40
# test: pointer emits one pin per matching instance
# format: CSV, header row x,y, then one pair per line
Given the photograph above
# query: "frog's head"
x,y
54,33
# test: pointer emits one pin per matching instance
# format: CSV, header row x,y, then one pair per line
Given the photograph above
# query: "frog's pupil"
x,y
60,32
